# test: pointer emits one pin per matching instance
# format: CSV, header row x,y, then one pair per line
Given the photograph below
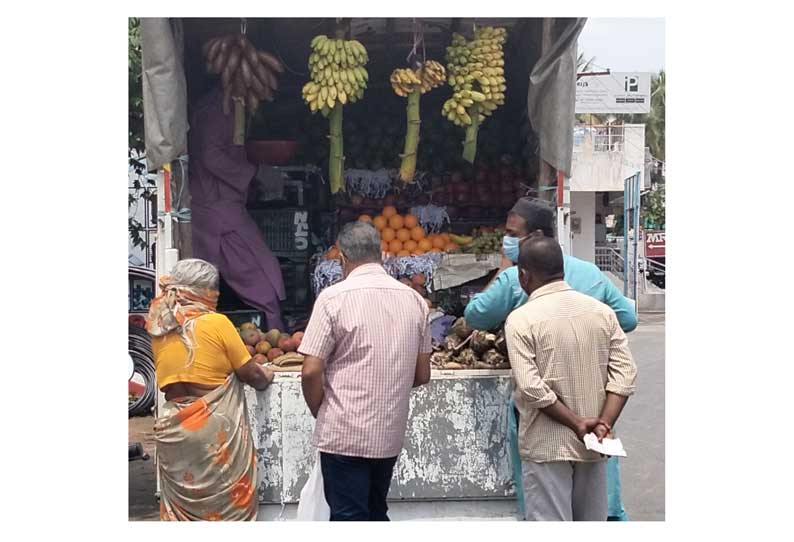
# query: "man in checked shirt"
x,y
573,374
367,344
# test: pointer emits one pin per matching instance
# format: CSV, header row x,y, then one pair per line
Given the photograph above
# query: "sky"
x,y
624,44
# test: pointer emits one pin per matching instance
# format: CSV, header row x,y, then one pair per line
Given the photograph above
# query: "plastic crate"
x,y
239,317
297,284
286,230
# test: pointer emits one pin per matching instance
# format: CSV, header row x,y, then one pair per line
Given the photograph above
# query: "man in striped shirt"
x,y
367,344
573,373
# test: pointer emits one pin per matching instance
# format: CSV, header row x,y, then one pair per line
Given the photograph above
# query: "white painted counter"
x,y
455,444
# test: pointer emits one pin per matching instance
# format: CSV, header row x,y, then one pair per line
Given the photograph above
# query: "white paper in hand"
x,y
607,446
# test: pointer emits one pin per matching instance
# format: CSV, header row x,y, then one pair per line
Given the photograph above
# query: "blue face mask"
x,y
510,247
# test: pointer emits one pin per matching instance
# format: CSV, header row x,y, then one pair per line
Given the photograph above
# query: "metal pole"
x,y
563,212
636,220
167,256
626,197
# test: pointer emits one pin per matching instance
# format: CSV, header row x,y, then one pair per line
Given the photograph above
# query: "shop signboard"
x,y
654,243
616,92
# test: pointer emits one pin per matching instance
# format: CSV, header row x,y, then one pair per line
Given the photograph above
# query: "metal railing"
x,y
605,138
609,259
656,266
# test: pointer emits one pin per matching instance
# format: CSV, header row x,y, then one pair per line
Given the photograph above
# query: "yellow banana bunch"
x,y
412,84
337,73
432,74
404,81
427,77
476,75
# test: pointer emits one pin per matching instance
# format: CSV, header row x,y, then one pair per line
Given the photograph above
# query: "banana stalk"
x,y
239,122
336,158
408,163
470,143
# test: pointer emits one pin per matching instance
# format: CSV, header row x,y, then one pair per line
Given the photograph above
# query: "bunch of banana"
x,y
247,75
461,240
432,74
428,76
476,75
338,76
404,81
337,73
412,84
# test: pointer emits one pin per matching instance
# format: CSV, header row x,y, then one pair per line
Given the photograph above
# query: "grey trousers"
x,y
565,491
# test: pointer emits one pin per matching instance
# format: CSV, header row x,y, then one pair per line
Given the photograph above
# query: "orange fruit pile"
x,y
401,235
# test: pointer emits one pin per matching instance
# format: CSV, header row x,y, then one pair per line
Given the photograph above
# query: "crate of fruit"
x,y
286,230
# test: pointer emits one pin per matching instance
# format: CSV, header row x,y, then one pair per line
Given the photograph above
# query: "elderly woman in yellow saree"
x,y
205,452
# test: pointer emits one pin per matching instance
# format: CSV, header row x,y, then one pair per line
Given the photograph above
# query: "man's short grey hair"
x,y
195,273
360,242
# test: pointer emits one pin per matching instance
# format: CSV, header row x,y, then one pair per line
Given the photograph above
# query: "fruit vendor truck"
x,y
455,448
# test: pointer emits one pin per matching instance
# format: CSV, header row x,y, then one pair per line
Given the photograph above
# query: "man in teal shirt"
x,y
490,308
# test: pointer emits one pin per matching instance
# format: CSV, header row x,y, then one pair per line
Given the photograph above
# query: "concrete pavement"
x,y
641,426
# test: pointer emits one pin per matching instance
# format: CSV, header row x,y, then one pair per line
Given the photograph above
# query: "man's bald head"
x,y
541,257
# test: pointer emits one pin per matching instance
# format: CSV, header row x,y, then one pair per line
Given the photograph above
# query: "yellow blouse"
x,y
218,351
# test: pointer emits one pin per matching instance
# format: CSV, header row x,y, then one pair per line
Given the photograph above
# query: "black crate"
x,y
297,284
239,317
286,230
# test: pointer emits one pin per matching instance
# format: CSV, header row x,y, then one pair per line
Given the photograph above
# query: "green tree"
x,y
652,212
654,121
136,146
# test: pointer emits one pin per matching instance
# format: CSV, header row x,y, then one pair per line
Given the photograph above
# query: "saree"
x,y
206,458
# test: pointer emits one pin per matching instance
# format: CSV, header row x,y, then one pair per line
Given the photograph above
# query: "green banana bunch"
x,y
476,75
337,72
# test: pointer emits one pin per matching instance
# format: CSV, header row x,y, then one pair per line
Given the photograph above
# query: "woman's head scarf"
x,y
185,295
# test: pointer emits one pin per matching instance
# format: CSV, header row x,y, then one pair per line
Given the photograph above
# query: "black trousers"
x,y
356,487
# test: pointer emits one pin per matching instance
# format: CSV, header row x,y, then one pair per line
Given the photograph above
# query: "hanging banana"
x,y
412,84
476,75
338,77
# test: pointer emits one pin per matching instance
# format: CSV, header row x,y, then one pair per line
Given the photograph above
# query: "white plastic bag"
x,y
312,505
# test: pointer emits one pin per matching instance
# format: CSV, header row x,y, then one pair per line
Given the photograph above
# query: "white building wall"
x,y
583,205
597,170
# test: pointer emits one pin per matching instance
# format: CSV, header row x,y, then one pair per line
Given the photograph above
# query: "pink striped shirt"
x,y
369,330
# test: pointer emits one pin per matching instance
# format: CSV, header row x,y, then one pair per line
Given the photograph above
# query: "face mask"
x,y
510,247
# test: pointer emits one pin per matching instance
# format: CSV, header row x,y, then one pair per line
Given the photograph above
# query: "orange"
x,y
451,246
380,222
388,235
333,253
411,221
425,245
403,253
395,246
404,235
365,218
445,236
384,246
417,233
418,252
389,211
410,245
438,242
396,222
436,250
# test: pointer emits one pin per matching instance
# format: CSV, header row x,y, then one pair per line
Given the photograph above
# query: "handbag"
x,y
312,505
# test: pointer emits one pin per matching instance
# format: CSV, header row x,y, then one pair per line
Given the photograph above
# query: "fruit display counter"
x,y
455,444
